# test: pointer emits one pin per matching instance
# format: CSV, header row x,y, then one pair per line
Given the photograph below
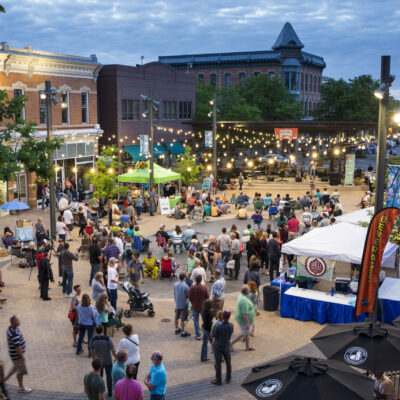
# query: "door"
x,y
21,189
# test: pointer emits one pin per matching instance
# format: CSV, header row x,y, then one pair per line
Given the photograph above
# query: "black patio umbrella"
x,y
369,346
305,378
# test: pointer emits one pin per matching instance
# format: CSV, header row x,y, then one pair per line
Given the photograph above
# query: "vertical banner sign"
x,y
206,184
393,188
144,144
286,133
208,137
350,164
378,235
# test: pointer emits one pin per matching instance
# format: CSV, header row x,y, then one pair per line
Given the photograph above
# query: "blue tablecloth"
x,y
390,309
24,234
280,282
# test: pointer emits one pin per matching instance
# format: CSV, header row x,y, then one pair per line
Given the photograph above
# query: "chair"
x,y
17,254
166,268
85,245
272,211
137,243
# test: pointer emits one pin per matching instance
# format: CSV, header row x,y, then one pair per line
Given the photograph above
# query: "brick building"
x,y
75,120
121,107
300,71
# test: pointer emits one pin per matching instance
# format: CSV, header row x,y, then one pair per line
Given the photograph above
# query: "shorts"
x,y
136,284
355,267
20,367
244,330
181,313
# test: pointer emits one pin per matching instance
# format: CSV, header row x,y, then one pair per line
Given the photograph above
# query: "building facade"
x,y
75,119
300,71
124,114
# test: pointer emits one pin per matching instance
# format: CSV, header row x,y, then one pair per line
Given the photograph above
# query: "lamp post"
x,y
214,115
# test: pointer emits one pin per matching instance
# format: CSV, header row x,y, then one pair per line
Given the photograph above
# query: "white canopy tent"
x,y
340,242
363,215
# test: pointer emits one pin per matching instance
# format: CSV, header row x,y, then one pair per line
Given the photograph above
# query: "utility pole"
x,y
151,140
214,112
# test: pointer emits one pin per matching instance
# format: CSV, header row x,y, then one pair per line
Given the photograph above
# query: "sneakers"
x,y
177,330
185,334
215,382
24,389
69,296
198,337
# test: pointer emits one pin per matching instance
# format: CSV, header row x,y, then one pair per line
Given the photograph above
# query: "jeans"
x,y
196,315
257,224
225,258
139,211
43,203
93,270
62,237
152,208
113,296
218,361
82,331
180,245
236,257
206,338
108,369
157,397
69,194
68,281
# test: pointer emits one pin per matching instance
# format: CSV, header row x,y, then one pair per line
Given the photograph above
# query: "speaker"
x,y
324,179
298,179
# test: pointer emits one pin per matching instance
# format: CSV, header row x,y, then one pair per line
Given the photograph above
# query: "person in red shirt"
x,y
293,223
197,295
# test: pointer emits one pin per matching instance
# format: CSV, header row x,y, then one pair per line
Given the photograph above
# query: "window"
x,y
200,77
228,80
302,81
42,109
306,82
271,74
130,110
145,109
17,93
315,83
185,110
64,107
293,83
242,76
84,107
319,84
287,79
169,110
213,79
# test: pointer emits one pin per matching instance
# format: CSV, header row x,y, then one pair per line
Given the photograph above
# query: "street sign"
x,y
144,144
208,137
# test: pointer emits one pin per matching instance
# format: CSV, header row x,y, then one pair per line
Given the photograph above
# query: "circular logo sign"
x,y
315,266
355,355
269,388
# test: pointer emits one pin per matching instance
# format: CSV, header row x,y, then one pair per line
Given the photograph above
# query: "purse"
x,y
72,315
230,264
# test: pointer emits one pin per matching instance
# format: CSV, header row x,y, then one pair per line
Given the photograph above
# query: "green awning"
x,y
175,148
134,152
161,175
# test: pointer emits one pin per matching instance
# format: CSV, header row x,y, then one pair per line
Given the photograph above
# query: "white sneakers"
x,y
24,389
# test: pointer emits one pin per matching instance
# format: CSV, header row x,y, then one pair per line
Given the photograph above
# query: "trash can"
x,y
271,298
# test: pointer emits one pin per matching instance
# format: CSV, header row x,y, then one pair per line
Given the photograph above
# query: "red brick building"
x,y
75,120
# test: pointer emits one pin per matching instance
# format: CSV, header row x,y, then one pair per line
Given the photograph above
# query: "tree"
x,y
187,166
2,9
204,93
349,101
105,177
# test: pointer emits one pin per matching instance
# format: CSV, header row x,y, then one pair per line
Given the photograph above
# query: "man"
x,y
324,220
112,282
138,206
384,388
69,219
63,204
188,234
119,368
274,255
16,350
119,243
245,315
241,181
101,346
111,250
130,210
191,260
135,269
163,233
222,334
235,255
129,388
307,218
218,291
93,383
61,228
153,200
197,295
198,270
181,290
304,202
224,242
66,258
156,379
95,259
45,275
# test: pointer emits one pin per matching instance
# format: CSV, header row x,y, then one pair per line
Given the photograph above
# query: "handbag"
x,y
230,264
72,315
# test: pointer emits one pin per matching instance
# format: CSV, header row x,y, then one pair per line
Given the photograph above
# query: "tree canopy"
x,y
187,166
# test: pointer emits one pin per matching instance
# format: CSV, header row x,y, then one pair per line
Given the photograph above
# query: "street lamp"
x,y
213,102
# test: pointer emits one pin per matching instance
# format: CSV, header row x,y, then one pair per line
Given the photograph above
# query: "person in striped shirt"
x,y
16,349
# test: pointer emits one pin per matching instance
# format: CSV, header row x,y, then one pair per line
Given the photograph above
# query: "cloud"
x,y
350,35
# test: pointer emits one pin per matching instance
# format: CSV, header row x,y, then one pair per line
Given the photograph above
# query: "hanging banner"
x,y
286,133
144,144
393,187
208,137
350,164
206,184
378,235
314,267
164,206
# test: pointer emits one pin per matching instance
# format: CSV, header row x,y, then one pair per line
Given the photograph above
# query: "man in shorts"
x,y
181,290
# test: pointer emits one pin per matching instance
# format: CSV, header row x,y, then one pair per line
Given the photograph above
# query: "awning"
x,y
175,148
161,175
134,152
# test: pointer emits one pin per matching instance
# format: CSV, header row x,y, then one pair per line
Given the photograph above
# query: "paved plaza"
x,y
55,372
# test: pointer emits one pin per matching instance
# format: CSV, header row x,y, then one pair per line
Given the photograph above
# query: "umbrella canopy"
x,y
367,346
14,205
161,175
298,378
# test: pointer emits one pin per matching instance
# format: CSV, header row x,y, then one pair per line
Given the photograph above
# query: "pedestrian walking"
x,y
130,343
95,259
112,282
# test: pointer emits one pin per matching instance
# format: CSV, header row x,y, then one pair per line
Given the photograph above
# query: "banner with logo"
x,y
206,184
378,235
315,267
164,206
144,144
286,133
350,164
208,137
393,187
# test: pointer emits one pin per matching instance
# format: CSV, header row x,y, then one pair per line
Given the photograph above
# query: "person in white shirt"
x,y
307,218
130,343
68,218
198,270
118,242
112,282
63,203
191,190
61,228
204,196
384,388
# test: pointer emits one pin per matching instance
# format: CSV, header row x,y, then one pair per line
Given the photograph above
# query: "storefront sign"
x,y
286,133
314,267
393,188
144,144
208,137
350,164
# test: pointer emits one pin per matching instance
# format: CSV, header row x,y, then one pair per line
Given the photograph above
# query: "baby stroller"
x,y
137,301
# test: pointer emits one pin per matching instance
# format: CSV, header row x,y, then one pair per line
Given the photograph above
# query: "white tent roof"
x,y
355,217
340,242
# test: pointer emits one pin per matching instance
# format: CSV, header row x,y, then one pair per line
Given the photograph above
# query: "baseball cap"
x,y
162,226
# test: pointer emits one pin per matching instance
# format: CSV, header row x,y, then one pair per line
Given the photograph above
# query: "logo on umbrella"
x,y
315,266
269,388
355,355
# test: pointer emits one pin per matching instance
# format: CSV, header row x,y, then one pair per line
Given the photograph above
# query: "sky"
x,y
350,35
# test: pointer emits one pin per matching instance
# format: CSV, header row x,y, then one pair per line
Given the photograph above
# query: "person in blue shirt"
x,y
119,367
156,379
267,200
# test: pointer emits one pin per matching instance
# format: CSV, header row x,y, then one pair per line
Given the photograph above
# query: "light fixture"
x,y
130,170
336,151
110,170
271,161
74,169
384,88
229,165
396,118
314,155
92,170
189,169
250,164
209,167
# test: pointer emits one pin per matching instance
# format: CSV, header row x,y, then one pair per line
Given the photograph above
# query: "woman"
x,y
8,237
281,219
217,265
103,307
40,231
264,260
82,221
131,344
98,286
252,248
177,239
75,301
252,279
208,316
337,212
86,321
